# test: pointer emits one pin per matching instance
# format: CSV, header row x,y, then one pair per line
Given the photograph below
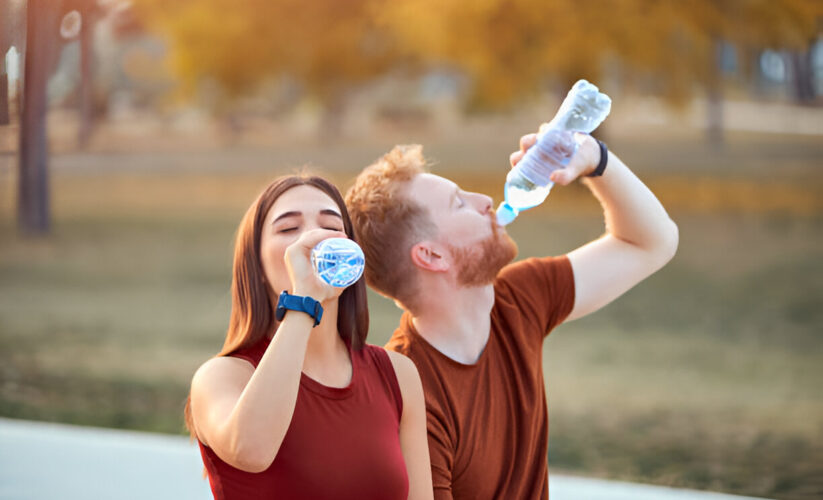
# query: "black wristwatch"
x,y
297,303
604,158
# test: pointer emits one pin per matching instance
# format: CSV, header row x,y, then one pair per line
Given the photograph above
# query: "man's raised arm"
x,y
640,237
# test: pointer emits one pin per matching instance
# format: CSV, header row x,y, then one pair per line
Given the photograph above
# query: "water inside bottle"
x,y
521,198
528,184
338,261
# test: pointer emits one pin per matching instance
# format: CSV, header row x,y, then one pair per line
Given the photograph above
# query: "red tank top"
x,y
342,442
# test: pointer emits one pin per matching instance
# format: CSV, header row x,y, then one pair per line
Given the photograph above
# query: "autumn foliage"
x,y
508,49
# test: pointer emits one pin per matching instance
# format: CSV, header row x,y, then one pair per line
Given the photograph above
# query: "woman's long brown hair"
x,y
252,316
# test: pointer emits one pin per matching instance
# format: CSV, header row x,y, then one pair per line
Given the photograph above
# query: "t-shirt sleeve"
x,y
541,288
441,452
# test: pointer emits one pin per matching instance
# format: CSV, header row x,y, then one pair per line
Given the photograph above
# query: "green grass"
x,y
706,375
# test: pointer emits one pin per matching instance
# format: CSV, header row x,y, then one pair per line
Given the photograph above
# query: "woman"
x,y
295,408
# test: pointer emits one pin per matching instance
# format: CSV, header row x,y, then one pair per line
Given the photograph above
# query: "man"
x,y
474,324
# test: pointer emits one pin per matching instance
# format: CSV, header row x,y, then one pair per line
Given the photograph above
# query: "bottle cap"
x,y
505,214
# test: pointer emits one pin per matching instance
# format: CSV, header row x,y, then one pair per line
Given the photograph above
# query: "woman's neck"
x,y
327,355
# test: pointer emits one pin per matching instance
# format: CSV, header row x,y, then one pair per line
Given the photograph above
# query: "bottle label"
x,y
553,151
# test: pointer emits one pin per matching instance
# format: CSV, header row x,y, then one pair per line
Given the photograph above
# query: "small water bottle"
x,y
338,261
528,183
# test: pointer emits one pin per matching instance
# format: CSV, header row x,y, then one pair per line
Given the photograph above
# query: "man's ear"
x,y
426,255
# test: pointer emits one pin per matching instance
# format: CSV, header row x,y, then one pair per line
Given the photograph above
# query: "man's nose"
x,y
482,202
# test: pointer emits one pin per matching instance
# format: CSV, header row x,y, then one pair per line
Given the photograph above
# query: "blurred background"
x,y
133,136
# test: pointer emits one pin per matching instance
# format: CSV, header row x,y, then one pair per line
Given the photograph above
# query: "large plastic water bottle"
x,y
528,184
338,261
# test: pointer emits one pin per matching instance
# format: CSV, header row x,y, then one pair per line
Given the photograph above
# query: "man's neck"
x,y
457,322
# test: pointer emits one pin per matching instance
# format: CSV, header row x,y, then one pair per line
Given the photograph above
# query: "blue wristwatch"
x,y
297,303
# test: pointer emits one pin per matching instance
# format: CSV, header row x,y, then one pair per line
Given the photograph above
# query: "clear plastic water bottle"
x,y
338,261
528,184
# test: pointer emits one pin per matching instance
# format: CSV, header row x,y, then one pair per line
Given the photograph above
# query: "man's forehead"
x,y
435,184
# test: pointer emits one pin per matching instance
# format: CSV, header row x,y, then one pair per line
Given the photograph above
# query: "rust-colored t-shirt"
x,y
488,422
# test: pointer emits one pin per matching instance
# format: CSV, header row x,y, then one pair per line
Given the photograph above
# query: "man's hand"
x,y
582,163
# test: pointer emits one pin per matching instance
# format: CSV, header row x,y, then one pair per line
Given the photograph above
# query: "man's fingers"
x,y
515,157
559,177
527,141
564,176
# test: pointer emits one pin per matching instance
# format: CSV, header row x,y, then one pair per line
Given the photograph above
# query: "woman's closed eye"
x,y
295,228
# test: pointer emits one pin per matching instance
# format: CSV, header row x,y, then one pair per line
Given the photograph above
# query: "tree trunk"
x,y
86,78
4,98
42,46
5,45
714,100
802,75
714,117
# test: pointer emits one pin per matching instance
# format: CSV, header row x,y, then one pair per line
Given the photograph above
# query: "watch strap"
x,y
298,303
604,158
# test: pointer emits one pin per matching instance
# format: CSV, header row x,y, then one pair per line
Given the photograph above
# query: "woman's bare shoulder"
x,y
222,371
406,371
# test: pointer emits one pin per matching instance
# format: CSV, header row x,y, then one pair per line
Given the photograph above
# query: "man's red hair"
x,y
388,223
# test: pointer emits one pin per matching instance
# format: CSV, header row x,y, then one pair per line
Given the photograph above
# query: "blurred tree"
x,y
90,13
802,74
49,23
6,41
509,49
327,45
682,44
42,48
512,48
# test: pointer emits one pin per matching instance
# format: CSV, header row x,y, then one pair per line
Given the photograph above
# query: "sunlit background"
x,y
133,135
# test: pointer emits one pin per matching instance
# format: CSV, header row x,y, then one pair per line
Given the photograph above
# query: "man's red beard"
x,y
478,264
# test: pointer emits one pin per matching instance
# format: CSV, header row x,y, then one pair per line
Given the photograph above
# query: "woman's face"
x,y
300,209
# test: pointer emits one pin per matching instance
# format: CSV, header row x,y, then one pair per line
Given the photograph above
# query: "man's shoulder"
x,y
403,339
537,292
533,275
531,266
400,342
408,342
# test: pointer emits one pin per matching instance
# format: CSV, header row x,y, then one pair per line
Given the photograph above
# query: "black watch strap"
x,y
298,303
604,158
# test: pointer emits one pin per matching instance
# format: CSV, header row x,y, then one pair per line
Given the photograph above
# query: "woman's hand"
x,y
304,281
